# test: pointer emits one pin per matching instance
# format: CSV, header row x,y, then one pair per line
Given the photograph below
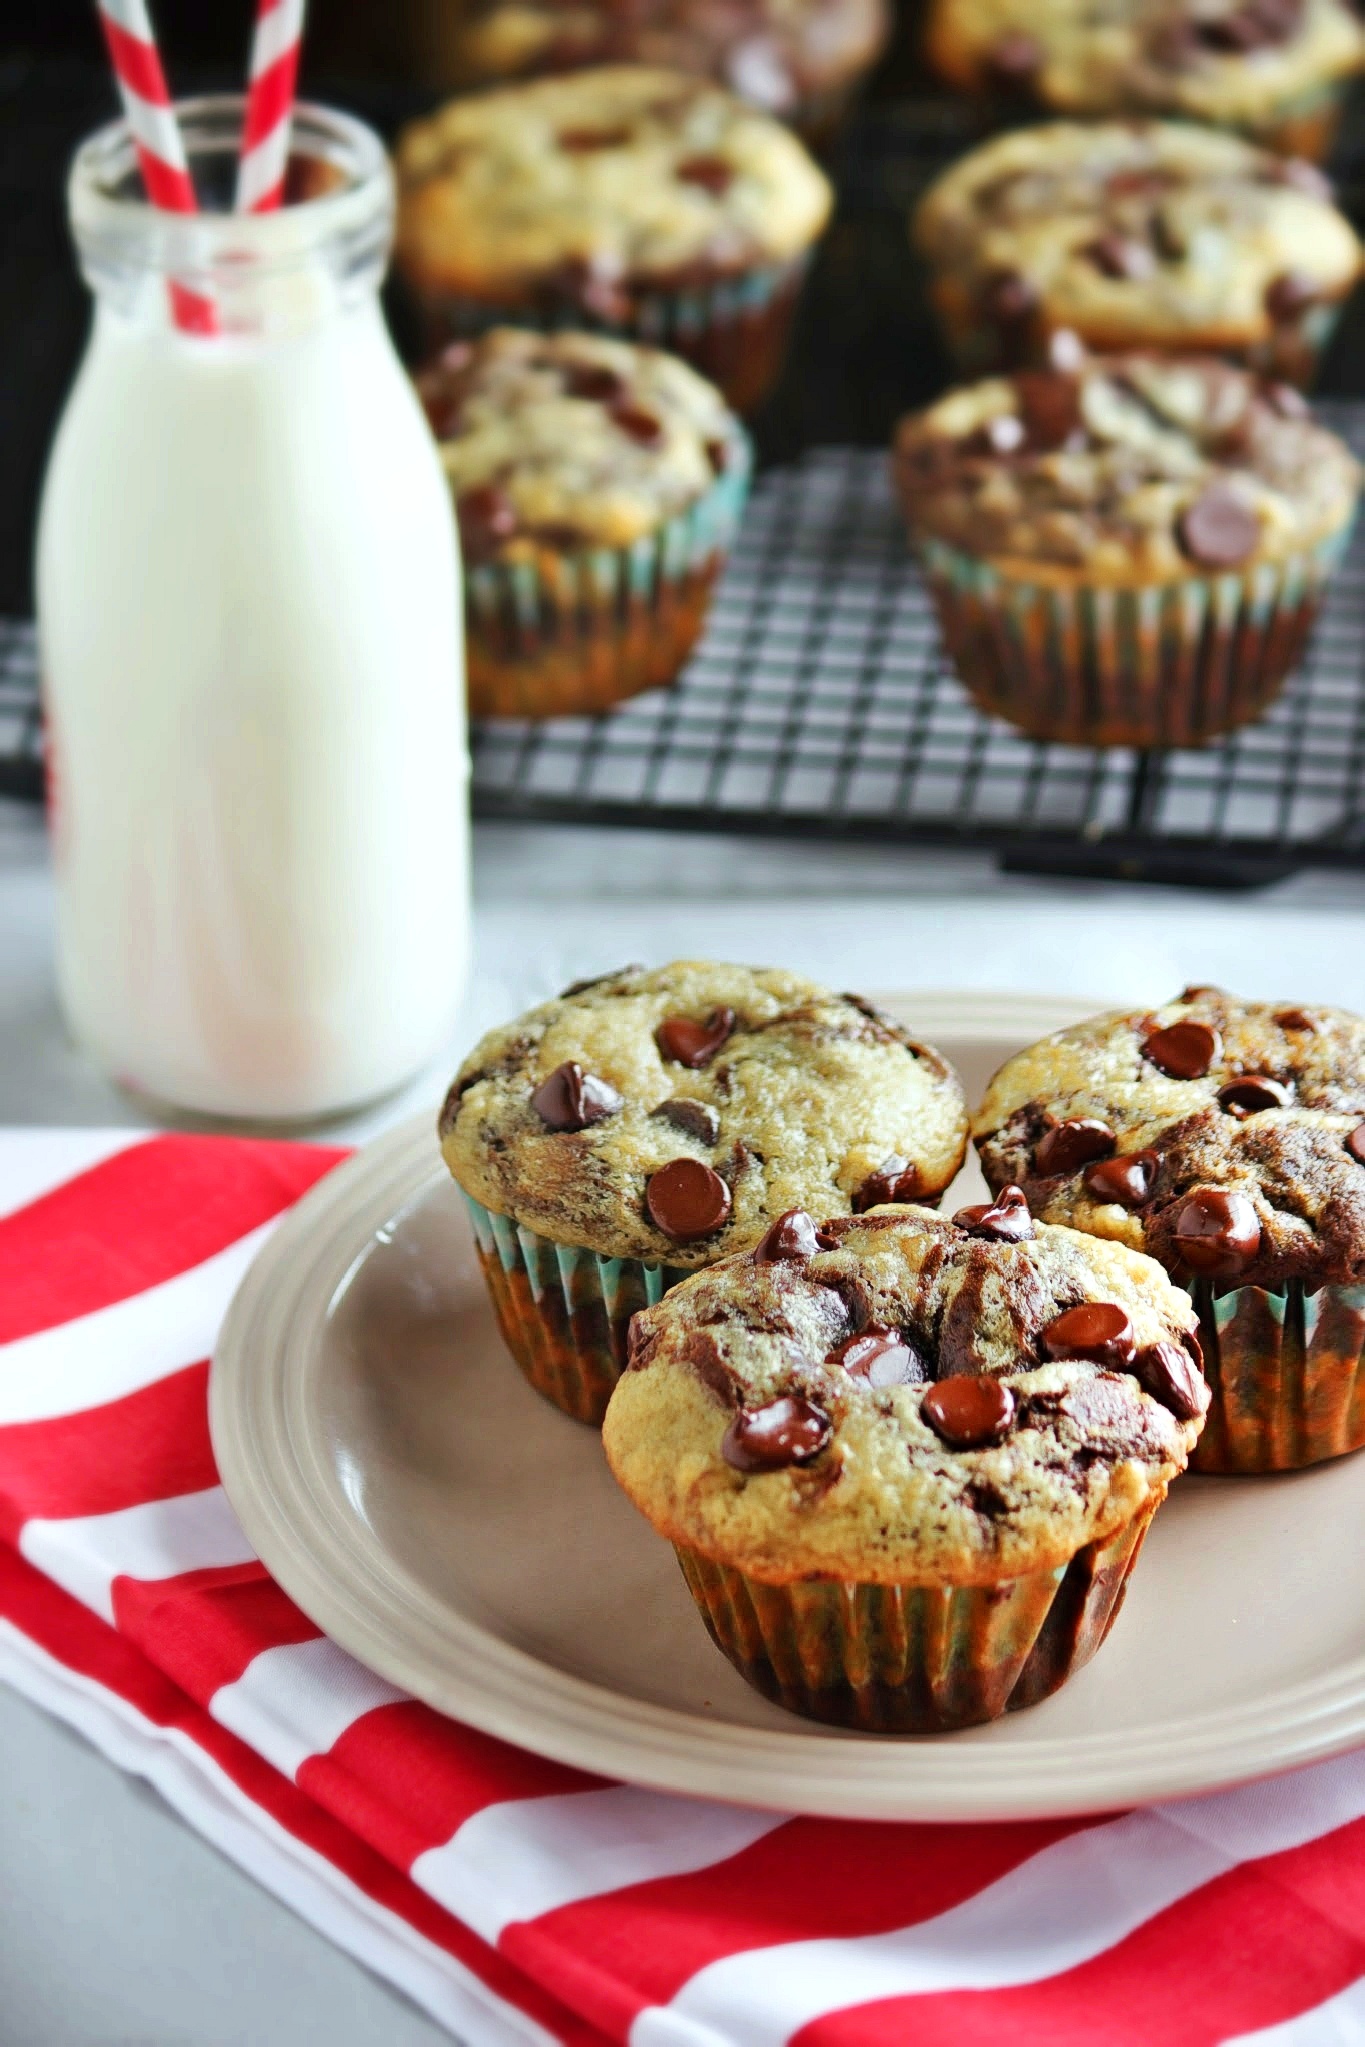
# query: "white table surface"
x,y
119,1927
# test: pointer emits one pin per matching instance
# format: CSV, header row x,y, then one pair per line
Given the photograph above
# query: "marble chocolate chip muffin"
x,y
1277,69
650,1122
641,201
598,487
1136,234
1129,551
800,60
906,1462
1226,1139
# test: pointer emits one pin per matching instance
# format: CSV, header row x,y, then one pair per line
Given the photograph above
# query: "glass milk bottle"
x,y
252,651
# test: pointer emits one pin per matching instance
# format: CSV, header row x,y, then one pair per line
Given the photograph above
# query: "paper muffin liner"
x,y
1151,665
1285,1371
563,1311
1305,123
734,330
916,1659
576,633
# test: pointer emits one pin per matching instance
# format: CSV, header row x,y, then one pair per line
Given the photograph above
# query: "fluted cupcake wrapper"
x,y
564,1312
1285,1370
1157,664
579,632
916,1659
1304,123
734,329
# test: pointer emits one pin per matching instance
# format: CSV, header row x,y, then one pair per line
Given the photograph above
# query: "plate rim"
x,y
286,1496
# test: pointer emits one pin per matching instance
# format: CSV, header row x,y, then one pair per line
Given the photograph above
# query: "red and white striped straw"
x,y
156,136
269,105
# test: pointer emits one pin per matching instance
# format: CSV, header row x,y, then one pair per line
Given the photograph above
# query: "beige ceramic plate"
x,y
465,1540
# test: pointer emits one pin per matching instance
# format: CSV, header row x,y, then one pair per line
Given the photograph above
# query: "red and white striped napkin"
x,y
514,1898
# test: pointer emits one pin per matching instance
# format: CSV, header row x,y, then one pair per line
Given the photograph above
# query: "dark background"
x,y
864,349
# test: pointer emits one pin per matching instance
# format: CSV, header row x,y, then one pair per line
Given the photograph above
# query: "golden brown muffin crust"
x,y
805,1097
888,1499
1290,1158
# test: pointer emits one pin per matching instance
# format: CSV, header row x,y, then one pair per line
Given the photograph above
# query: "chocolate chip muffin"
x,y
1136,235
800,60
650,1122
1276,69
640,201
598,487
1226,1139
907,1462
1129,551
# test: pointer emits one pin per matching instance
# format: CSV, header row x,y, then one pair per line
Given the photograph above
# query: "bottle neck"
x,y
265,275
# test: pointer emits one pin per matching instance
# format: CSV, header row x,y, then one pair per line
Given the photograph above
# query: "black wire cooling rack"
x,y
819,706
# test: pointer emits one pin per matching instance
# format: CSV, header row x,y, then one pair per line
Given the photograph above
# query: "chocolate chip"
x,y
712,173
689,1043
594,381
1128,1180
698,1119
1072,1144
1355,1144
582,141
639,426
1217,1233
1108,1412
1051,404
596,980
1196,989
1185,1050
1120,256
788,1430
1219,530
1003,435
1014,57
718,455
794,1235
1006,1219
882,1357
1294,1020
967,1412
1096,1329
1009,298
687,1200
1169,1374
1290,294
1065,351
1285,401
570,1099
894,1180
1250,1092
487,517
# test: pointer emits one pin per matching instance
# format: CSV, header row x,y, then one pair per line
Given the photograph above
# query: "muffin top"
x,y
1230,61
669,1115
1139,231
562,441
898,1397
773,53
582,186
1226,1138
1130,468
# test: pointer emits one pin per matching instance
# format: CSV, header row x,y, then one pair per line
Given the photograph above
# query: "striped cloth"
x,y
517,1899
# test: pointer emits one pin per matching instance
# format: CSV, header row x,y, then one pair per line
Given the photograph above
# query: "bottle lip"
x,y
110,214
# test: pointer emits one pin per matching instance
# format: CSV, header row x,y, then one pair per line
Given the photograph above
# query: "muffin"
x,y
648,1123
1128,552
598,487
1226,1139
800,60
638,201
1136,234
1276,69
907,1463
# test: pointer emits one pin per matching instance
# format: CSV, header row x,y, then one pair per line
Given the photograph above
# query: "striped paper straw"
x,y
269,105
156,136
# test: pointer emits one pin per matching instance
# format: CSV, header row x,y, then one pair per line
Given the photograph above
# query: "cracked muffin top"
x,y
1138,232
563,441
1230,62
670,1114
773,53
586,185
1226,1138
1127,468
903,1398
